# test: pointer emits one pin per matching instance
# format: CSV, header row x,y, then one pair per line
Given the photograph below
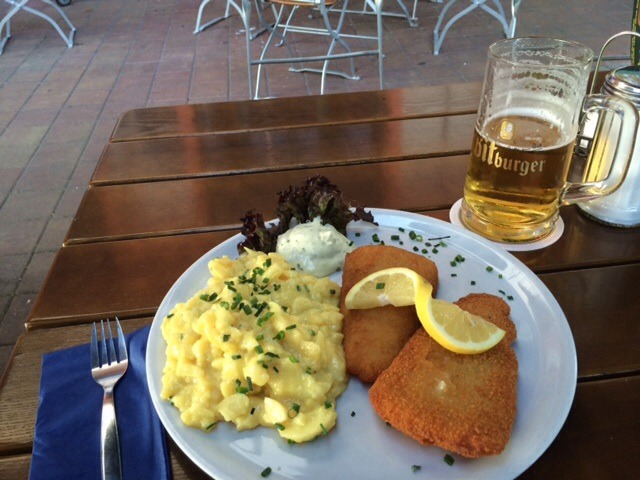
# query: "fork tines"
x,y
105,353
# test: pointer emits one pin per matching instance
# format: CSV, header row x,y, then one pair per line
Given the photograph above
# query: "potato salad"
x,y
260,345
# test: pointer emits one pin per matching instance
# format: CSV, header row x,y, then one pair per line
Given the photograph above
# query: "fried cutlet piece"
x,y
373,337
462,403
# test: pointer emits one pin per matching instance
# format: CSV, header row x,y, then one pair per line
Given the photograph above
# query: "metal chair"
x,y
284,26
18,5
497,12
200,26
404,12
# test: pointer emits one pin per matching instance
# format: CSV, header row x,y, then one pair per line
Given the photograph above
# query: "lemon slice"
x,y
393,286
449,325
456,329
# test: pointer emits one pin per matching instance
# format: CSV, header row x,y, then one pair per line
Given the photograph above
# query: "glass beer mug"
x,y
526,128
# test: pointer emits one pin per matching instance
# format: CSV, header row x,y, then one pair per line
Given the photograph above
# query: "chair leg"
x,y
281,30
273,33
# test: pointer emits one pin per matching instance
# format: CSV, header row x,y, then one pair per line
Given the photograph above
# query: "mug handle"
x,y
583,191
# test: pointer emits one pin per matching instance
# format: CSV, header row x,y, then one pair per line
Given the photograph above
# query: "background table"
x,y
174,181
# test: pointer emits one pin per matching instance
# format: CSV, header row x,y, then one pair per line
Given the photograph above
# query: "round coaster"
x,y
554,235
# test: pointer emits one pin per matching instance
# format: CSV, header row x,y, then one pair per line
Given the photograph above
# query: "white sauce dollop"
x,y
314,248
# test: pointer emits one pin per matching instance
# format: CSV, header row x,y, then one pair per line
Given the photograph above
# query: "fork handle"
x,y
110,444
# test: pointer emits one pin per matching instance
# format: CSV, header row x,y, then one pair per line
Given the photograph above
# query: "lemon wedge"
x,y
393,286
456,329
449,325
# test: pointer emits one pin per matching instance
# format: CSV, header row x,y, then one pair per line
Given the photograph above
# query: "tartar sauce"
x,y
314,248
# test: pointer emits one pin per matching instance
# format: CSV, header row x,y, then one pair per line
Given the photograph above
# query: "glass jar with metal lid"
x,y
622,207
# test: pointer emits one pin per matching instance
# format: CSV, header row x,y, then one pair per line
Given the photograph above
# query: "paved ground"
x,y
58,106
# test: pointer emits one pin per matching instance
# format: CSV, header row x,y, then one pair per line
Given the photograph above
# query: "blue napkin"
x,y
67,436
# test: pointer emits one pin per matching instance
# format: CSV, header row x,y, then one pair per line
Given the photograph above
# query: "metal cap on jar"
x,y
624,82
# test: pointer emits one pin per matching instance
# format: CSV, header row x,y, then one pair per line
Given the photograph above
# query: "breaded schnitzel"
x,y
373,337
462,403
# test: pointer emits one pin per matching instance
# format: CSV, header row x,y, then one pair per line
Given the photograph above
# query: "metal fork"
x,y
107,369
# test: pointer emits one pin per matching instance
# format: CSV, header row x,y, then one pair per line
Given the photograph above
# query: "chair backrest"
x,y
305,3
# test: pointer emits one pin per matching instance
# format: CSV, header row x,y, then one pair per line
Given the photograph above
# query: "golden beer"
x,y
517,173
532,101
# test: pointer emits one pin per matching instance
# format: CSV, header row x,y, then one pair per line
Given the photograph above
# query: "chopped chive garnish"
x,y
226,337
473,282
328,405
237,356
279,335
375,238
489,269
291,327
209,298
415,468
293,359
264,318
258,349
272,355
266,472
294,410
170,315
395,237
379,286
279,426
211,425
448,459
324,430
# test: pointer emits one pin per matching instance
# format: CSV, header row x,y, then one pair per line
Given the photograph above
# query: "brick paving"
x,y
58,106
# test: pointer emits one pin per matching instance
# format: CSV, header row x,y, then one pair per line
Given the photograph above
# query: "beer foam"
x,y
537,115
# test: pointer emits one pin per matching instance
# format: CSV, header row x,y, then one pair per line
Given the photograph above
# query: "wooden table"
x,y
173,182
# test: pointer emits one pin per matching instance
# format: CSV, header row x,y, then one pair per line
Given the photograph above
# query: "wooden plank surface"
x,y
201,204
603,312
262,151
123,279
598,441
584,244
15,467
294,112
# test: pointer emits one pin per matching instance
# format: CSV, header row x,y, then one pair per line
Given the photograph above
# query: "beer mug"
x,y
528,120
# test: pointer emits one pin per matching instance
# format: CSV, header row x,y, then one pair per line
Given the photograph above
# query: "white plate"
x,y
361,445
